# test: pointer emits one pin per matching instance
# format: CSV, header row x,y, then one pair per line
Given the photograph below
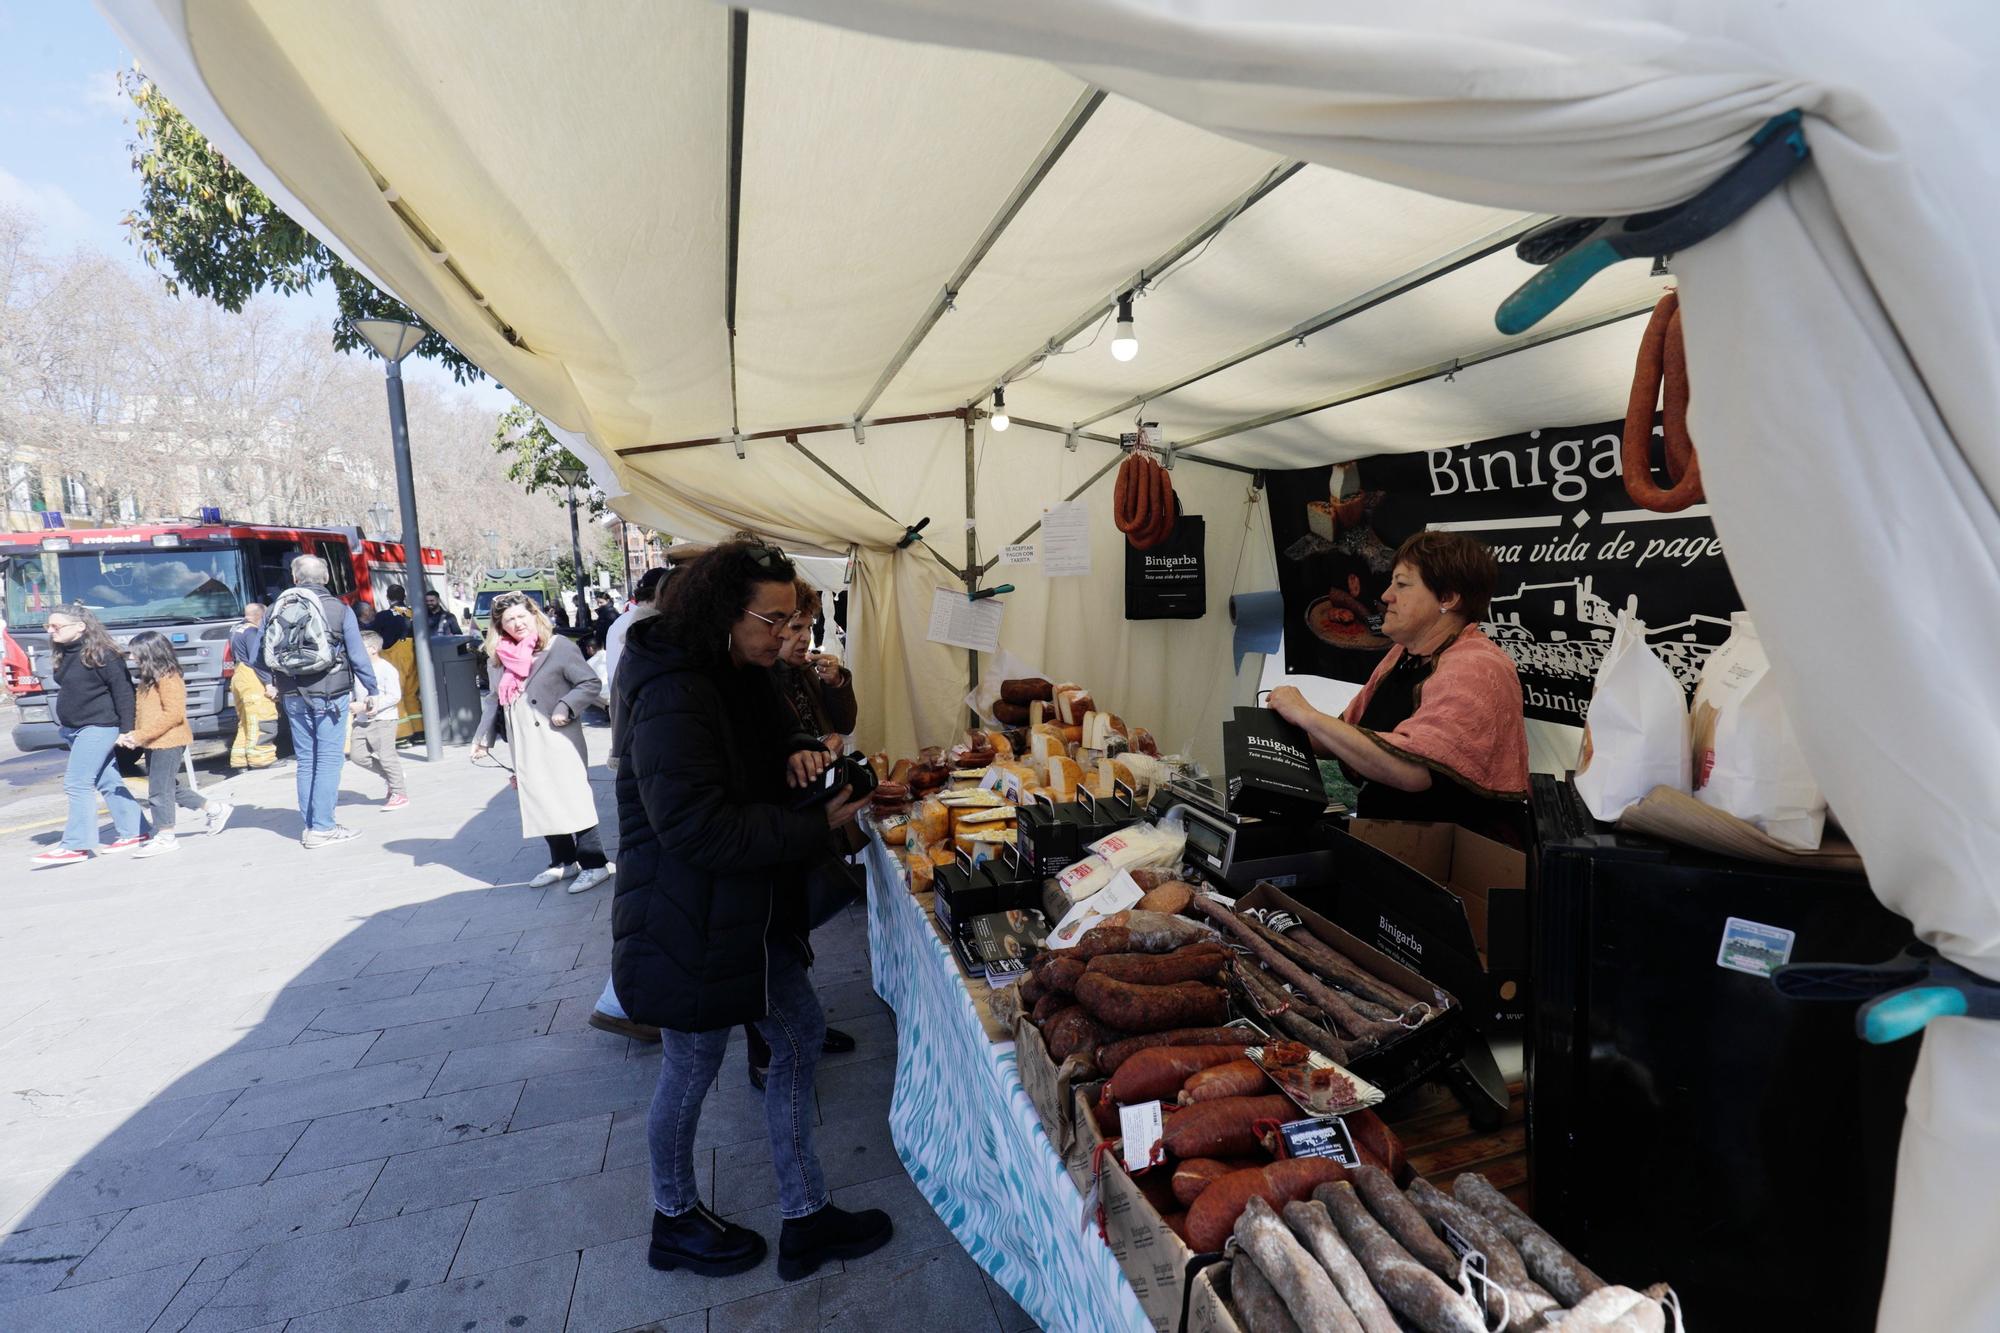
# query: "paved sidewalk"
x,y
249,1086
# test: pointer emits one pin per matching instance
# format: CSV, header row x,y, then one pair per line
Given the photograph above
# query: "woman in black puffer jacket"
x,y
709,924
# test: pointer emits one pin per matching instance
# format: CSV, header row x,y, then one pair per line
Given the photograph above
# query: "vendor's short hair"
x,y
809,602
1451,562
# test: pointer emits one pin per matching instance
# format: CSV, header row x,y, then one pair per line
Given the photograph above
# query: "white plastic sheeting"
x,y
572,162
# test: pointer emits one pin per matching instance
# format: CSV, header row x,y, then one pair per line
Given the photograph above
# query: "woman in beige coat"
x,y
541,684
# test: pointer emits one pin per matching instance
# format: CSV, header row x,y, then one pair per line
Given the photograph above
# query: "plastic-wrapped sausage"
x,y
1226,1127
1161,1072
1112,1057
1237,1078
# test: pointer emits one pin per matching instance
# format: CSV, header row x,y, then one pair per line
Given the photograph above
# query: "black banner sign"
x,y
1573,551
1170,582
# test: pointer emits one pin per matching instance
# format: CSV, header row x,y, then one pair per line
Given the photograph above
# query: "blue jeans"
x,y
795,1028
319,731
90,771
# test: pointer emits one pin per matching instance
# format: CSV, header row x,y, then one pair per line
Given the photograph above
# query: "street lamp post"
x,y
378,515
573,475
396,340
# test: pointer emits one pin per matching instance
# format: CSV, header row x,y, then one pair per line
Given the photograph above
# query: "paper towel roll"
x,y
1259,618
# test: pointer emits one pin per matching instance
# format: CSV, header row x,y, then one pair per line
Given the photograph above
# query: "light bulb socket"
x,y
1125,339
1000,418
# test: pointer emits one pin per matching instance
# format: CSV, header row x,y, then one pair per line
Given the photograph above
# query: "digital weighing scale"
x,y
1241,851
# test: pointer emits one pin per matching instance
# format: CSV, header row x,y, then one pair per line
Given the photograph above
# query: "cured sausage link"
x,y
1662,365
1310,1222
1503,1261
1548,1262
1305,1287
1415,1292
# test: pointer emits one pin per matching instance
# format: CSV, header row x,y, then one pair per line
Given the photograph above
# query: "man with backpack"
x,y
312,648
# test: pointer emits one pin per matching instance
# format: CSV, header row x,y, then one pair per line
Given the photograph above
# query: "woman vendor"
x,y
1437,732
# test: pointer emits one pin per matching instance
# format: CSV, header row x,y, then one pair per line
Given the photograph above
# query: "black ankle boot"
x,y
701,1242
831,1233
836,1043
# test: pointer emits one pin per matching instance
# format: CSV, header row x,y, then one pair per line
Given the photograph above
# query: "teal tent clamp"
x,y
913,533
1898,997
983,593
1571,251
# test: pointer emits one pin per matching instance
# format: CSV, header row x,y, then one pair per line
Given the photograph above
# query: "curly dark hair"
x,y
153,658
707,595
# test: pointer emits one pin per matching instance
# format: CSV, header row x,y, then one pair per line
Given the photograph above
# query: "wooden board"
x,y
1442,1143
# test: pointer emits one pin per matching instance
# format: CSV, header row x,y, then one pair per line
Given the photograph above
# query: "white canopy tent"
x,y
665,224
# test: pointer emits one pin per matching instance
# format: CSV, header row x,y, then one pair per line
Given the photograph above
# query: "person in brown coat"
x,y
160,728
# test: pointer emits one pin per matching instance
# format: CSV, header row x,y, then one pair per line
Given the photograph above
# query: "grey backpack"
x,y
297,639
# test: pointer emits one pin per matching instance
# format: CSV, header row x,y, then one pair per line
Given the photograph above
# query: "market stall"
x,y
876,252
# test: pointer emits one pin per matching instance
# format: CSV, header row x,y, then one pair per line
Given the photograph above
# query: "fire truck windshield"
x,y
137,586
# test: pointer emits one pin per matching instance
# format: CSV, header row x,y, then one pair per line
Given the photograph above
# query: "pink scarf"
x,y
517,658
1468,722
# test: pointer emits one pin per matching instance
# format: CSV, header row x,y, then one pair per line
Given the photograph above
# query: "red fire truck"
x,y
189,581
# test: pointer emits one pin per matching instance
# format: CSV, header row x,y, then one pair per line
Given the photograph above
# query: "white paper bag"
x,y
1747,759
1636,734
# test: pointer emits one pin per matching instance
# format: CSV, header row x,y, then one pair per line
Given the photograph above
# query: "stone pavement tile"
x,y
914,1293
1013,1319
543,913
280,1016
330,1094
104,1180
339,1268
850,999
918,1227
233,1219
513,992
628,1144
874,1039
17,1190
587,1091
530,1298
574,931
442,954
58,1138
41,1258
851,1150
528,1058
279,1064
695,1321
786,1310
482,1167
586,980
503,967
573,1012
385,1131
859,1087
617,1289
121,1305
462,1032
421,1007
566,1215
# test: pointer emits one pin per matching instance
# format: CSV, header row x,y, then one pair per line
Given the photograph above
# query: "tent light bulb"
x,y
1125,341
1000,418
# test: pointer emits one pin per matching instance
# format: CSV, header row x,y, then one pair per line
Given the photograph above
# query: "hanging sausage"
x,y
1661,378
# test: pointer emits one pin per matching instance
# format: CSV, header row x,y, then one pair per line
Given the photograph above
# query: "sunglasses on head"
x,y
768,557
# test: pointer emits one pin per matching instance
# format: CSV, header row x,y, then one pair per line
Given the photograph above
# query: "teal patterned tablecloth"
x,y
970,1138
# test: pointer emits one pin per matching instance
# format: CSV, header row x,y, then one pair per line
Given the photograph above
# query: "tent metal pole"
x,y
1493,243
858,494
1222,218
739,79
786,432
1430,372
1114,440
1065,134
972,569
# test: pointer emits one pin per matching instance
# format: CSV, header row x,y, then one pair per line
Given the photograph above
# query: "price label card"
x,y
1008,785
1464,1249
1143,1129
1321,1138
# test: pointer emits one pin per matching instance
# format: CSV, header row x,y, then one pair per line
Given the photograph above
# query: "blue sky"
x,y
63,131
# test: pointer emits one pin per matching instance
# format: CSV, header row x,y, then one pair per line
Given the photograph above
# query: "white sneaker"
x,y
590,879
553,875
218,815
159,845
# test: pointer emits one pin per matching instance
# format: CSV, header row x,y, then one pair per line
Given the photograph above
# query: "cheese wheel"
x,y
1064,775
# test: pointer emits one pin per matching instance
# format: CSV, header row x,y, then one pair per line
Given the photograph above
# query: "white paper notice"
x,y
1018,555
963,624
1142,1129
1066,540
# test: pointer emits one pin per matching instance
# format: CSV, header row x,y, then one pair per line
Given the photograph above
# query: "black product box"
x,y
1270,768
999,945
1050,843
963,891
1433,1045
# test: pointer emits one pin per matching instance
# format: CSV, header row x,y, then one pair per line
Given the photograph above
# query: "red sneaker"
x,y
122,845
396,802
59,856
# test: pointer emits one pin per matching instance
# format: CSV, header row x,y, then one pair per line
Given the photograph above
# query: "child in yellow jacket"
x,y
160,728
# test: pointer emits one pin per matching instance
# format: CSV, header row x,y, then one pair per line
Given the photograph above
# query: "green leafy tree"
x,y
205,228
533,456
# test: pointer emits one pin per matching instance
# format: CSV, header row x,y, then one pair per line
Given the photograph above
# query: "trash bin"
x,y
456,657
